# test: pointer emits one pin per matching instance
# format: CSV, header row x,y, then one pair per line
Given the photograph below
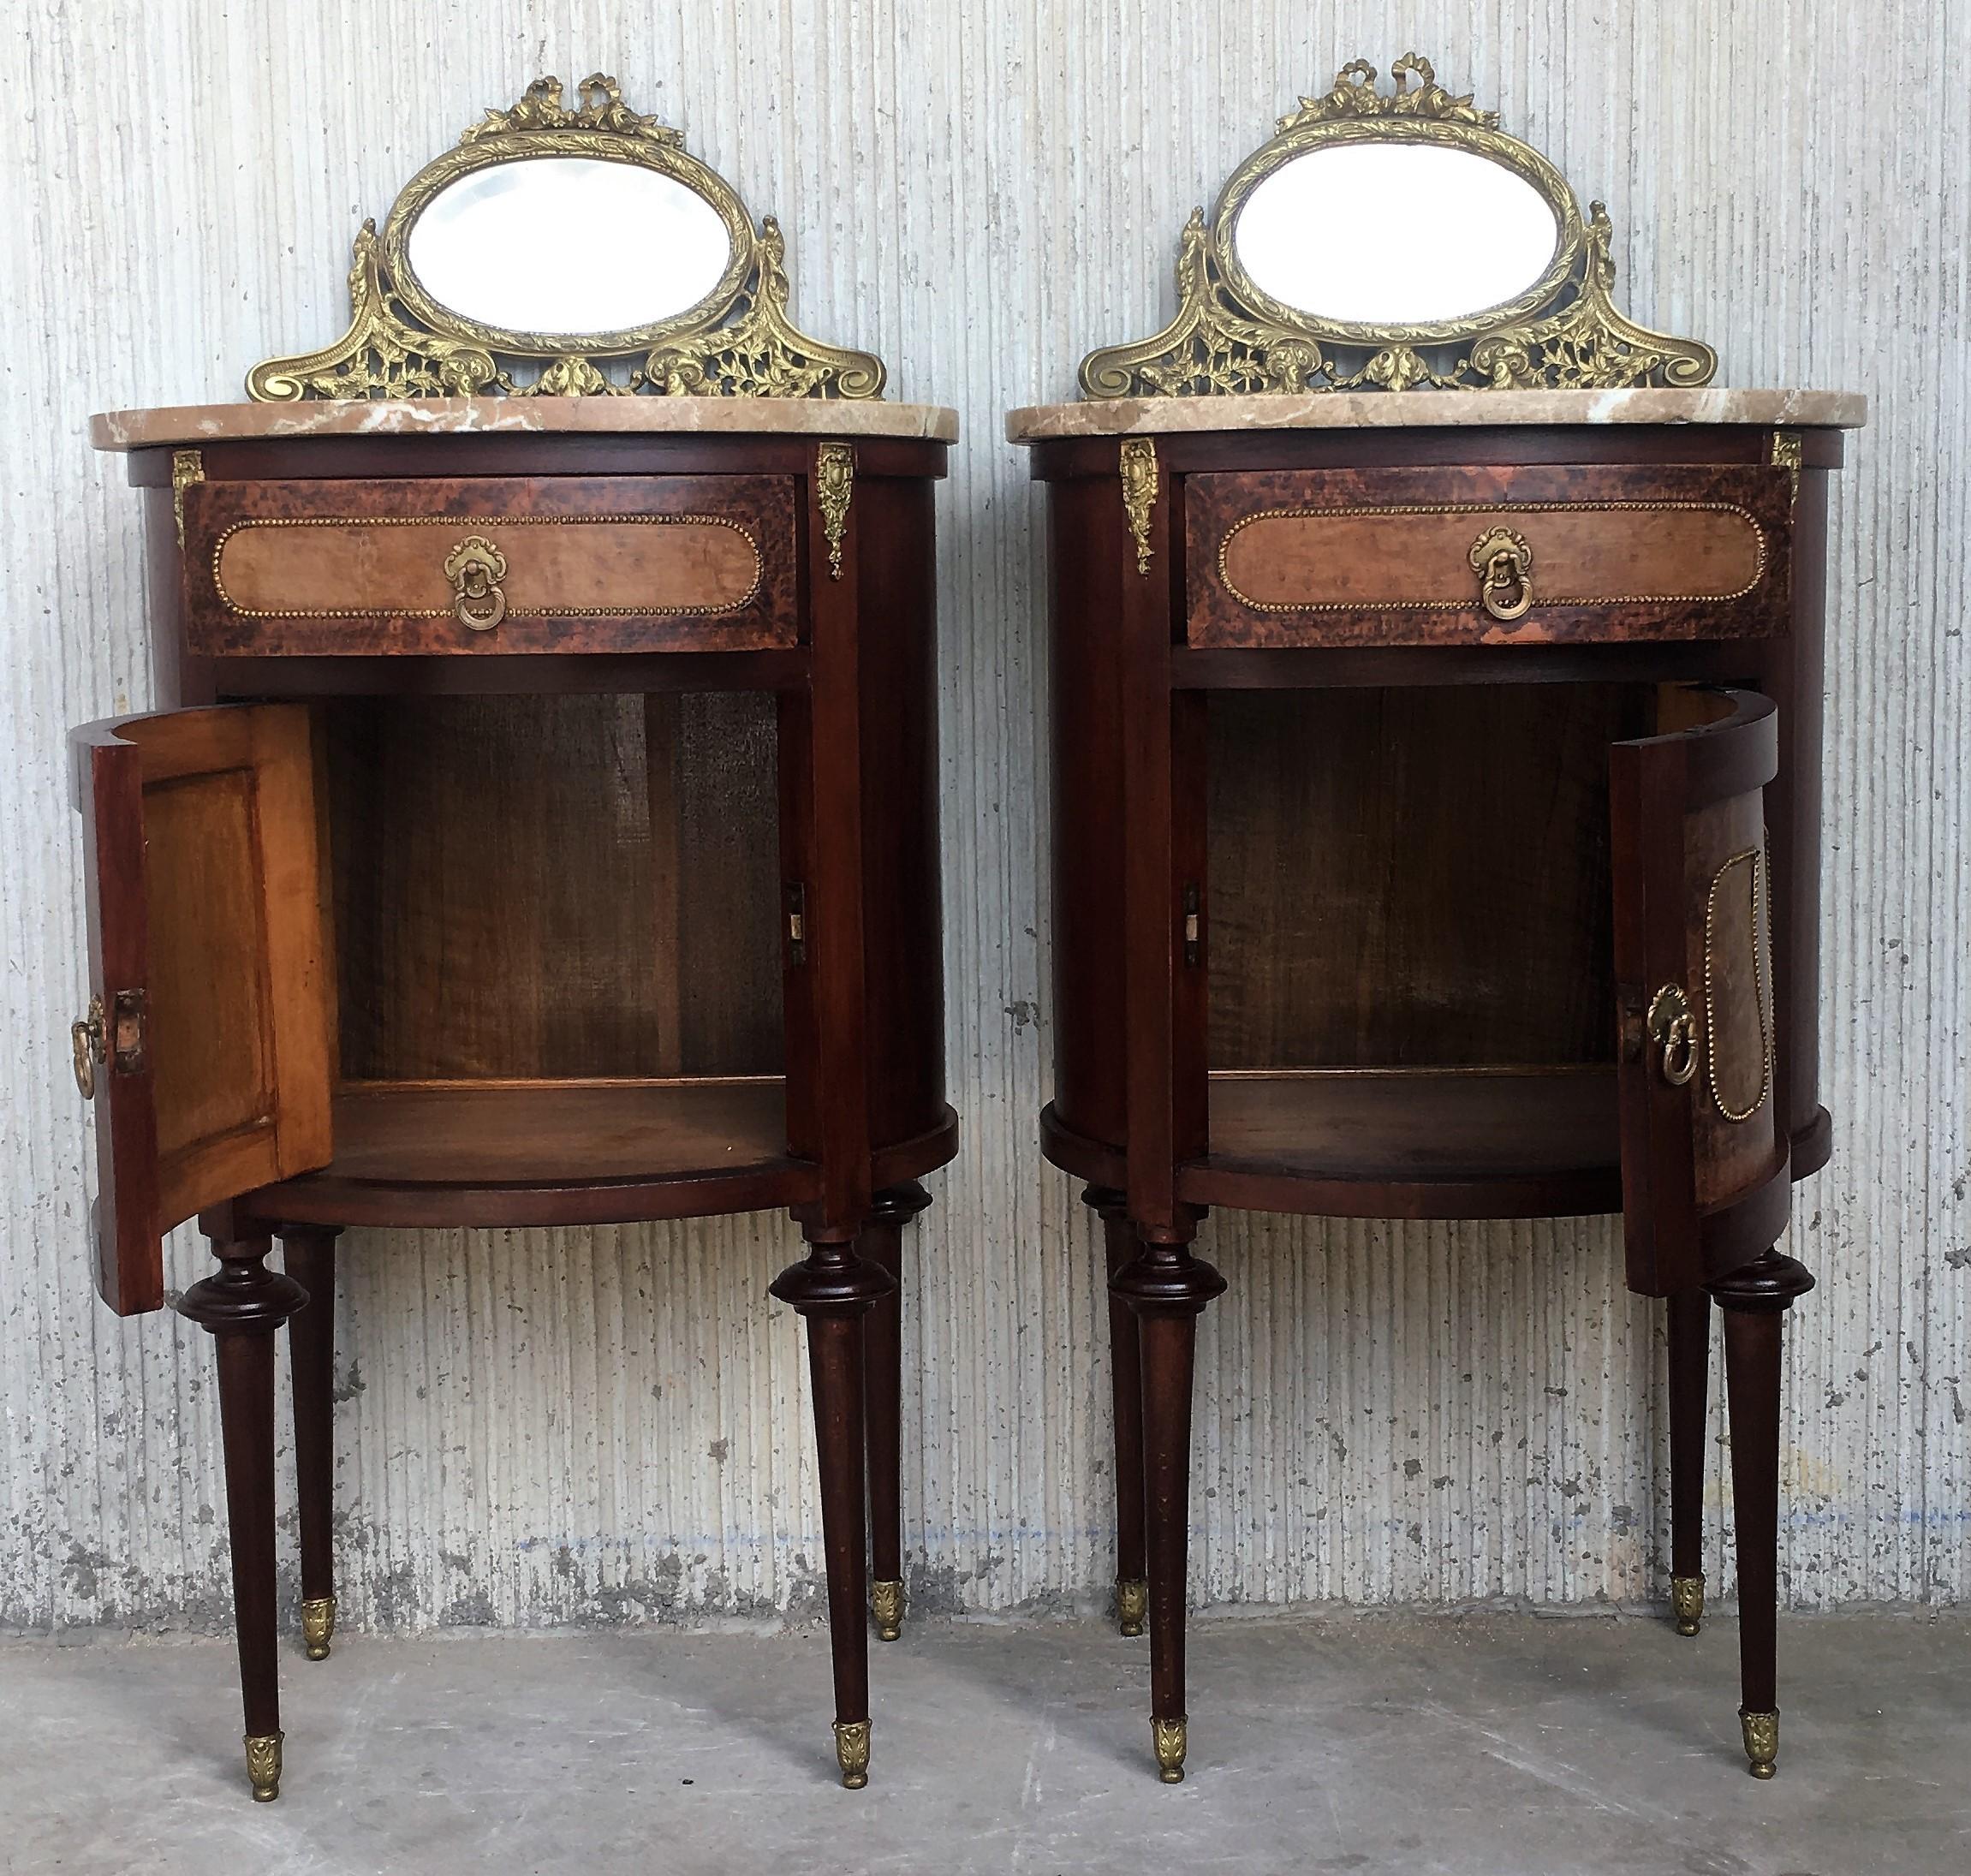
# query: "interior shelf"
x,y
1413,1142
548,1152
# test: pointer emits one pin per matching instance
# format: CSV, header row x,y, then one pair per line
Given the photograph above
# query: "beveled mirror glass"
x,y
1398,234
567,245
1394,240
569,250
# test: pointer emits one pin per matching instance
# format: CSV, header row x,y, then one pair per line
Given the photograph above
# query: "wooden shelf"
x,y
548,1153
1412,1142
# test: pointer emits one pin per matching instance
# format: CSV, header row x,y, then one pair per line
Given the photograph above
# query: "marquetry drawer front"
x,y
1507,555
617,564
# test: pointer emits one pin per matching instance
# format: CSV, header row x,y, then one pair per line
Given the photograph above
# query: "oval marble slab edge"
x,y
186,424
1394,410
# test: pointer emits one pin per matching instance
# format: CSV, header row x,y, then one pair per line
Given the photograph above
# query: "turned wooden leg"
x,y
882,1245
309,1253
1756,1299
243,1306
1126,1384
1689,1358
833,1288
1168,1289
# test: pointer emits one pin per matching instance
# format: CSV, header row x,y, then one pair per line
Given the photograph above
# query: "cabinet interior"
x,y
1410,923
533,895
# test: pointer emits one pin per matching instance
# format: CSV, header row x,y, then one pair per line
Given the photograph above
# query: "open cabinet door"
x,y
207,1043
1704,1161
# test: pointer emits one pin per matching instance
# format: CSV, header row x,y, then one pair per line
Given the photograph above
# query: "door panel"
x,y
207,945
1704,1160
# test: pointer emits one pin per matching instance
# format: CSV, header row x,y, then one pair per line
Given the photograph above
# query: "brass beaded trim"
x,y
487,521
1758,908
1494,508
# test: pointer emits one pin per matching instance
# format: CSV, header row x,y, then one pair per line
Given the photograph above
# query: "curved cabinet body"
x,y
1346,784
626,904
538,828
1437,813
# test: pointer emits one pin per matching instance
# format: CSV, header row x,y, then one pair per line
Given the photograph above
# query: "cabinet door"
x,y
1704,1160
208,1040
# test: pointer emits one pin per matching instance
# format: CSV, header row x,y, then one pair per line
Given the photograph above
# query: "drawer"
x,y
486,566
1487,556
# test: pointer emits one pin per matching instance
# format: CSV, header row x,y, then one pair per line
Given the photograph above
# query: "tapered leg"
x,y
1168,1289
1126,1379
881,1244
309,1253
1755,1300
833,1288
243,1306
1689,1358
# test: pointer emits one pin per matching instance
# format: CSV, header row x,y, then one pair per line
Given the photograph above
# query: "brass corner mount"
x,y
736,341
1230,337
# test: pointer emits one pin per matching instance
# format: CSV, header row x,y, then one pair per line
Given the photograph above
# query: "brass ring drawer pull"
x,y
475,568
1673,1028
1504,562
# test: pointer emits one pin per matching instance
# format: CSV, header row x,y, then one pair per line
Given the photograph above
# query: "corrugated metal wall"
x,y
552,1427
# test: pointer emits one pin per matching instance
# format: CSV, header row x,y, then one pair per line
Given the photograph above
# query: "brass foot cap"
x,y
852,1751
1761,1732
318,1626
1687,1603
1169,1736
1132,1604
264,1765
886,1603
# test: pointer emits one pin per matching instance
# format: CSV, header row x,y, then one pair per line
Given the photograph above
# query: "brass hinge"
x,y
1191,911
188,467
796,900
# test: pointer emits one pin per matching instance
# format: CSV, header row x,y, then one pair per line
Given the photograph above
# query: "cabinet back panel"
x,y
522,885
1413,876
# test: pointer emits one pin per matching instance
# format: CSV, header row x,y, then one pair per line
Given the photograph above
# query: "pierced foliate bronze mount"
x,y
1231,338
737,341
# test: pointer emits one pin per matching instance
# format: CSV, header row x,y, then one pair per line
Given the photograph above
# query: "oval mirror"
x,y
574,246
1392,234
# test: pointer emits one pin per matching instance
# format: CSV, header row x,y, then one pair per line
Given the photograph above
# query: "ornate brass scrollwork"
x,y
834,487
1230,337
1673,1028
475,568
187,468
739,341
1138,467
1504,562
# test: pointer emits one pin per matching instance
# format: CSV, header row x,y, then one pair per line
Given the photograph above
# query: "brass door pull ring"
x,y
89,1041
1673,1028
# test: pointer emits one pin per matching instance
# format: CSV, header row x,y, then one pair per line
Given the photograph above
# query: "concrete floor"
x,y
1513,1744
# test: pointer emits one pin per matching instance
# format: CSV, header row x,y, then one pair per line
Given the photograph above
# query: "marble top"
x,y
593,416
1395,410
